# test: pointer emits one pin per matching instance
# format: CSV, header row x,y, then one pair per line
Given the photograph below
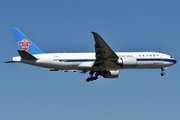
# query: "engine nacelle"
x,y
111,74
127,62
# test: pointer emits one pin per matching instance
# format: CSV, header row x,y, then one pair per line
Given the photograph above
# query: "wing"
x,y
105,56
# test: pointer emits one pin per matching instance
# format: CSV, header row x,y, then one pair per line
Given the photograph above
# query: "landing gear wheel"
x,y
162,74
88,79
96,77
91,78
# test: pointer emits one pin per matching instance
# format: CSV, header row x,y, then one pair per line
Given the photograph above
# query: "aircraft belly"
x,y
68,65
53,64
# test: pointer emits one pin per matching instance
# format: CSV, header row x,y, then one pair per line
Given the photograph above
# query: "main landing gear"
x,y
91,78
162,71
97,73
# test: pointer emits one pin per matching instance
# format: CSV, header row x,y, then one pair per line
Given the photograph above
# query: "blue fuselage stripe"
x,y
138,59
160,60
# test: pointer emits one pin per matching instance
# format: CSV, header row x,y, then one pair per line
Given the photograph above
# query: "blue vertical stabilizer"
x,y
24,42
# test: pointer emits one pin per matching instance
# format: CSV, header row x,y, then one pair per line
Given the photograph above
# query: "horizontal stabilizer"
x,y
10,61
25,55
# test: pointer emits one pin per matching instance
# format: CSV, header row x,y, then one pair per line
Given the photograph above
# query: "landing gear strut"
x,y
162,73
91,78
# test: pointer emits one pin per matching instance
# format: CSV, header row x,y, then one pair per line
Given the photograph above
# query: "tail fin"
x,y
24,43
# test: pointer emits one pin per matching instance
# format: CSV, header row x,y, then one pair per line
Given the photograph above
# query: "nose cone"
x,y
174,61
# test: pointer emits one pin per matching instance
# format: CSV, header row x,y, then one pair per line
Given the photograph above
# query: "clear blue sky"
x,y
32,93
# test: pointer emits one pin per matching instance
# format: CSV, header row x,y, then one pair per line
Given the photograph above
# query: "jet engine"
x,y
111,74
127,62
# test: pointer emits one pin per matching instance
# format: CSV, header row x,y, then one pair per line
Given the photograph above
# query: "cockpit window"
x,y
171,57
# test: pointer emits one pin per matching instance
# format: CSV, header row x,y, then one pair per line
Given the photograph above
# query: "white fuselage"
x,y
84,61
103,62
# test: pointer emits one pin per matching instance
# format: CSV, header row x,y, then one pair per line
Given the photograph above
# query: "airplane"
x,y
103,62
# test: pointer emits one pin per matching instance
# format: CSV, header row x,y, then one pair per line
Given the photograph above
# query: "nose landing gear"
x,y
162,73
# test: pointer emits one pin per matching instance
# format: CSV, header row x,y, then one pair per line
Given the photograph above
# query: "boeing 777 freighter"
x,y
103,62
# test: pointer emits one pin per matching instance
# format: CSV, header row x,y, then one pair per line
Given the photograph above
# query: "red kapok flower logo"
x,y
24,44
